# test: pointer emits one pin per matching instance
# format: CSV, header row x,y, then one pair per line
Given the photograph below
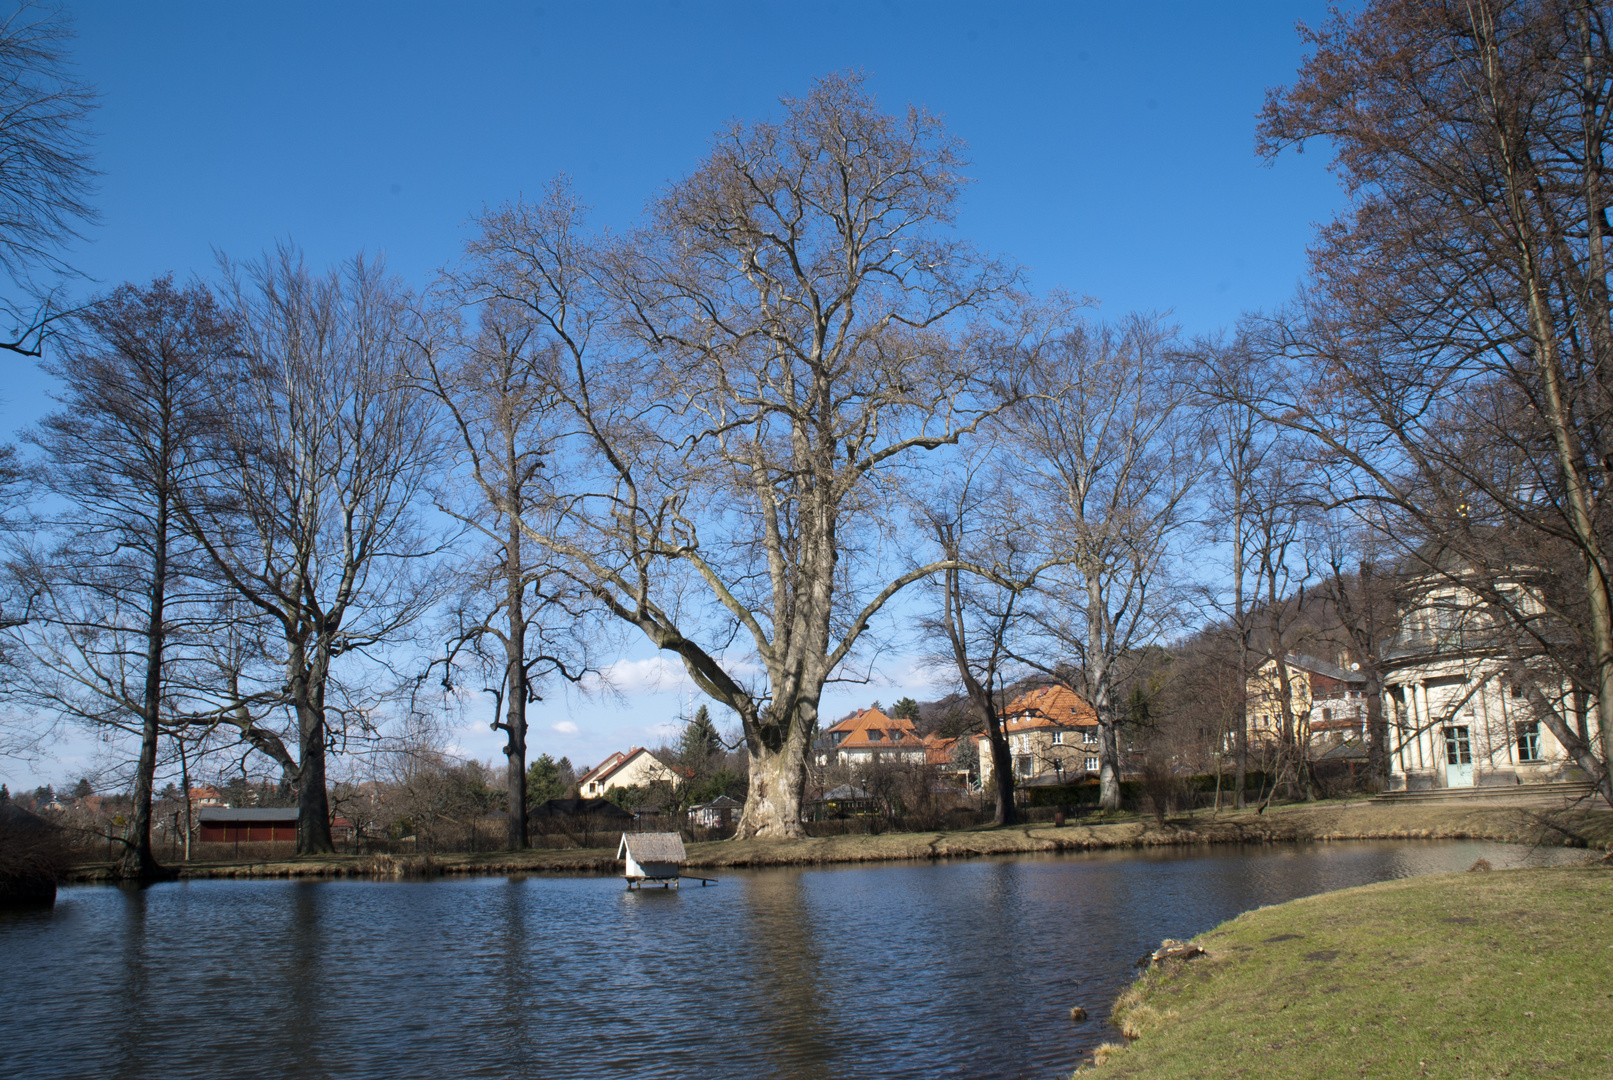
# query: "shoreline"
x,y
1297,823
1443,975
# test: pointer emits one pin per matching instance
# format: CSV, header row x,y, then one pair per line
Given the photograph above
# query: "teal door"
x,y
1458,757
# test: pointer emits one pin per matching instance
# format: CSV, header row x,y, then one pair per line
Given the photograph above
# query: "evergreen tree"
x,y
905,709
548,779
699,744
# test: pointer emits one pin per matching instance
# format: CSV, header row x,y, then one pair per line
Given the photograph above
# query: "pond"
x,y
964,968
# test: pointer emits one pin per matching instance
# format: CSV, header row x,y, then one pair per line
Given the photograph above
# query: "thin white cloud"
x,y
653,674
564,727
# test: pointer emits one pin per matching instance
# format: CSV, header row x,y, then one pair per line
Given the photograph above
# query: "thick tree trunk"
x,y
777,785
313,803
1108,763
1377,727
1002,775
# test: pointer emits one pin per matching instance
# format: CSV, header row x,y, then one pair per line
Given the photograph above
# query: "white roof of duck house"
x,y
652,854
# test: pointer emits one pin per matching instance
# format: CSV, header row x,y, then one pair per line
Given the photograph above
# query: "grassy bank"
x,y
1355,820
1473,975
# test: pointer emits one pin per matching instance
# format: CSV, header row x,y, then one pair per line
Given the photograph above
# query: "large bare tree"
x,y
120,586
310,512
517,617
1109,457
1457,349
791,327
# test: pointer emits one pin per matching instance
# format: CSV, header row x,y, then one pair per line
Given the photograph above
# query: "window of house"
x,y
1517,691
1090,735
874,735
1092,764
1058,738
1327,714
1458,746
1528,732
1022,765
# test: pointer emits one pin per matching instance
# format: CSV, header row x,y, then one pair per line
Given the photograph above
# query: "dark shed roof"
x,y
212,814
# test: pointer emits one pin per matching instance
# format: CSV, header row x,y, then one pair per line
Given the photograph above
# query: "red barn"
x,y
266,824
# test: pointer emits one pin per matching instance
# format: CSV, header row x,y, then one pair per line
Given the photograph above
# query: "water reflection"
x,y
786,980
952,969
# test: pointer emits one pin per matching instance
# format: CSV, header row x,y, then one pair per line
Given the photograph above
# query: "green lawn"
x,y
1500,974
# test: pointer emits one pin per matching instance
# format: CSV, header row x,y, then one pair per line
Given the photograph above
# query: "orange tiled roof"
x,y
870,729
1048,707
937,750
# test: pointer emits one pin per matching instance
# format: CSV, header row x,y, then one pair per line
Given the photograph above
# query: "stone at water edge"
x,y
1078,1013
1171,949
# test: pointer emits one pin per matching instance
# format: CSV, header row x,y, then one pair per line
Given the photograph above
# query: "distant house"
x,y
1459,713
636,767
1327,702
719,813
844,801
1052,734
867,737
255,825
206,795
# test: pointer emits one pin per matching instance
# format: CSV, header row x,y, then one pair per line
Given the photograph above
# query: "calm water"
x,y
954,969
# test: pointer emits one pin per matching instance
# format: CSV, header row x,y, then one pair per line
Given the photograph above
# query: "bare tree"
x,y
310,511
120,588
1108,461
1239,444
1362,591
47,179
1458,346
979,598
791,328
494,394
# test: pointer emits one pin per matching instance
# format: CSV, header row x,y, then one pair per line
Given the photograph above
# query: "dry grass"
x,y
1469,976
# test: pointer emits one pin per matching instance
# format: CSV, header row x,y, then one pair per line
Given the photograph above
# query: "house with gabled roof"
x,y
1328,703
1052,734
635,767
867,737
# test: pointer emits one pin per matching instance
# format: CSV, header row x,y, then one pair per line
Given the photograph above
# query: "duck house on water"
x,y
655,857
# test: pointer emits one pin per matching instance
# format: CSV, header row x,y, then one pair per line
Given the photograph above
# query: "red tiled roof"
x,y
1048,707
870,729
938,751
611,765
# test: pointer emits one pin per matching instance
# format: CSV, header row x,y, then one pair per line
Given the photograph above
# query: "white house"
x,y
868,736
637,767
1459,712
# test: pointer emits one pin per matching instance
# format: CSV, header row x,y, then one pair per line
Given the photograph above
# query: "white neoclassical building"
x,y
1460,714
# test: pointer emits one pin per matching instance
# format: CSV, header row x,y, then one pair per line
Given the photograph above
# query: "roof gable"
x,y
871,729
1048,707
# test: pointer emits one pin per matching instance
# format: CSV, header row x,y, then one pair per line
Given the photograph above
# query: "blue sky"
x,y
1112,149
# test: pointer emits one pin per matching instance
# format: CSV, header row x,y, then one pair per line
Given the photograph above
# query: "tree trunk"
x,y
313,804
777,786
515,685
139,862
1108,763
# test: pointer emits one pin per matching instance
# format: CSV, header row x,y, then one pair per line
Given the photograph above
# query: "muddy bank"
x,y
1358,820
